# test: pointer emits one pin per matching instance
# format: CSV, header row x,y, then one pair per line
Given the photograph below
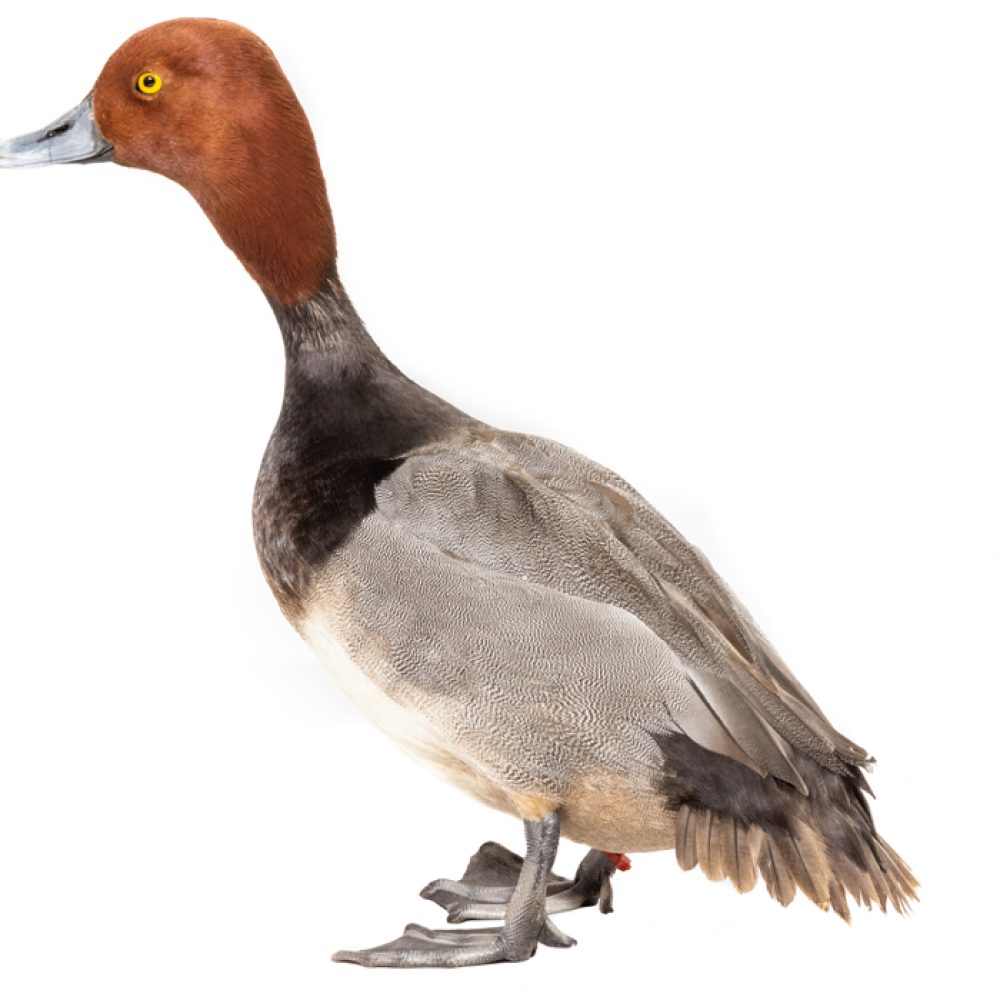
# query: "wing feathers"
x,y
533,510
512,504
706,728
756,712
746,728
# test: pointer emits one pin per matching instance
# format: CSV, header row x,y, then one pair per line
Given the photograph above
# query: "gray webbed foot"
x,y
420,946
484,890
523,911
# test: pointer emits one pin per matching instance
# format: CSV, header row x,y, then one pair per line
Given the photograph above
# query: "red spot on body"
x,y
622,861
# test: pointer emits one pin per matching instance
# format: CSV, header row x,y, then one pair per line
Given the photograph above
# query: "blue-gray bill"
x,y
72,138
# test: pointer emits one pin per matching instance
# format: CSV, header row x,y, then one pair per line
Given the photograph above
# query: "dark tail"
x,y
736,824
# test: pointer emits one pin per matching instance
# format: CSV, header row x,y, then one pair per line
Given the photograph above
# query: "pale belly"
x,y
607,809
408,729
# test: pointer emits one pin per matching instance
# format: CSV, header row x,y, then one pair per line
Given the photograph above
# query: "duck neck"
x,y
348,419
325,337
339,384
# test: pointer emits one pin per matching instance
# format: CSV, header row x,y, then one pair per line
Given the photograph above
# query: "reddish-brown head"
x,y
205,103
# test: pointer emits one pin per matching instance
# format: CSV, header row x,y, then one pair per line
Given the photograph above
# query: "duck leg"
x,y
525,922
484,890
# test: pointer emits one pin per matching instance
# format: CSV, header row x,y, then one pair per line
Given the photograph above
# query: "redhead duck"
x,y
512,614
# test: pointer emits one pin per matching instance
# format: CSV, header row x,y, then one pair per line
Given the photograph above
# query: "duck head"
x,y
205,103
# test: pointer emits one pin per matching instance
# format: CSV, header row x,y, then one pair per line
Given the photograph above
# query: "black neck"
x,y
340,386
348,419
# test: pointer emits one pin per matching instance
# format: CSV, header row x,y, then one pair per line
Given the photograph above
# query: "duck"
x,y
513,615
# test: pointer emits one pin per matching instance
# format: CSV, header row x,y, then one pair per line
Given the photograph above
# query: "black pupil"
x,y
148,82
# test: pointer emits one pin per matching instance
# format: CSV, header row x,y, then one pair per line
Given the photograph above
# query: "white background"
x,y
745,254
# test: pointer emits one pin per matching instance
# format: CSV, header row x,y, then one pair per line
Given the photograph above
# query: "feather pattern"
x,y
727,849
838,901
793,858
570,647
687,846
746,857
517,508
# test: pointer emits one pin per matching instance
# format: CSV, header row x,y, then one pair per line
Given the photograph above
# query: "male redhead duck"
x,y
514,615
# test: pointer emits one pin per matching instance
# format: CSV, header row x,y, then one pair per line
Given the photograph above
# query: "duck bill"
x,y
73,138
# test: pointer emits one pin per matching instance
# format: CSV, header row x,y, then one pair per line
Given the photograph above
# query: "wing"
x,y
529,509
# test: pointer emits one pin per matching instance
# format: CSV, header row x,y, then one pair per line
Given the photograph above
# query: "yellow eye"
x,y
148,83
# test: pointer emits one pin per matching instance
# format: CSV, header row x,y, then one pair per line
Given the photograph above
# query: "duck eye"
x,y
148,83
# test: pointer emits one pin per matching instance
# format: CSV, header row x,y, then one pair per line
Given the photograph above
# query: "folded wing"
x,y
535,510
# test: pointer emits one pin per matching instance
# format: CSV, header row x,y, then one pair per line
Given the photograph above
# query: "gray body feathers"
x,y
521,620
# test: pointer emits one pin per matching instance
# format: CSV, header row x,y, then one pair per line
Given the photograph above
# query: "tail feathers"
x,y
798,857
